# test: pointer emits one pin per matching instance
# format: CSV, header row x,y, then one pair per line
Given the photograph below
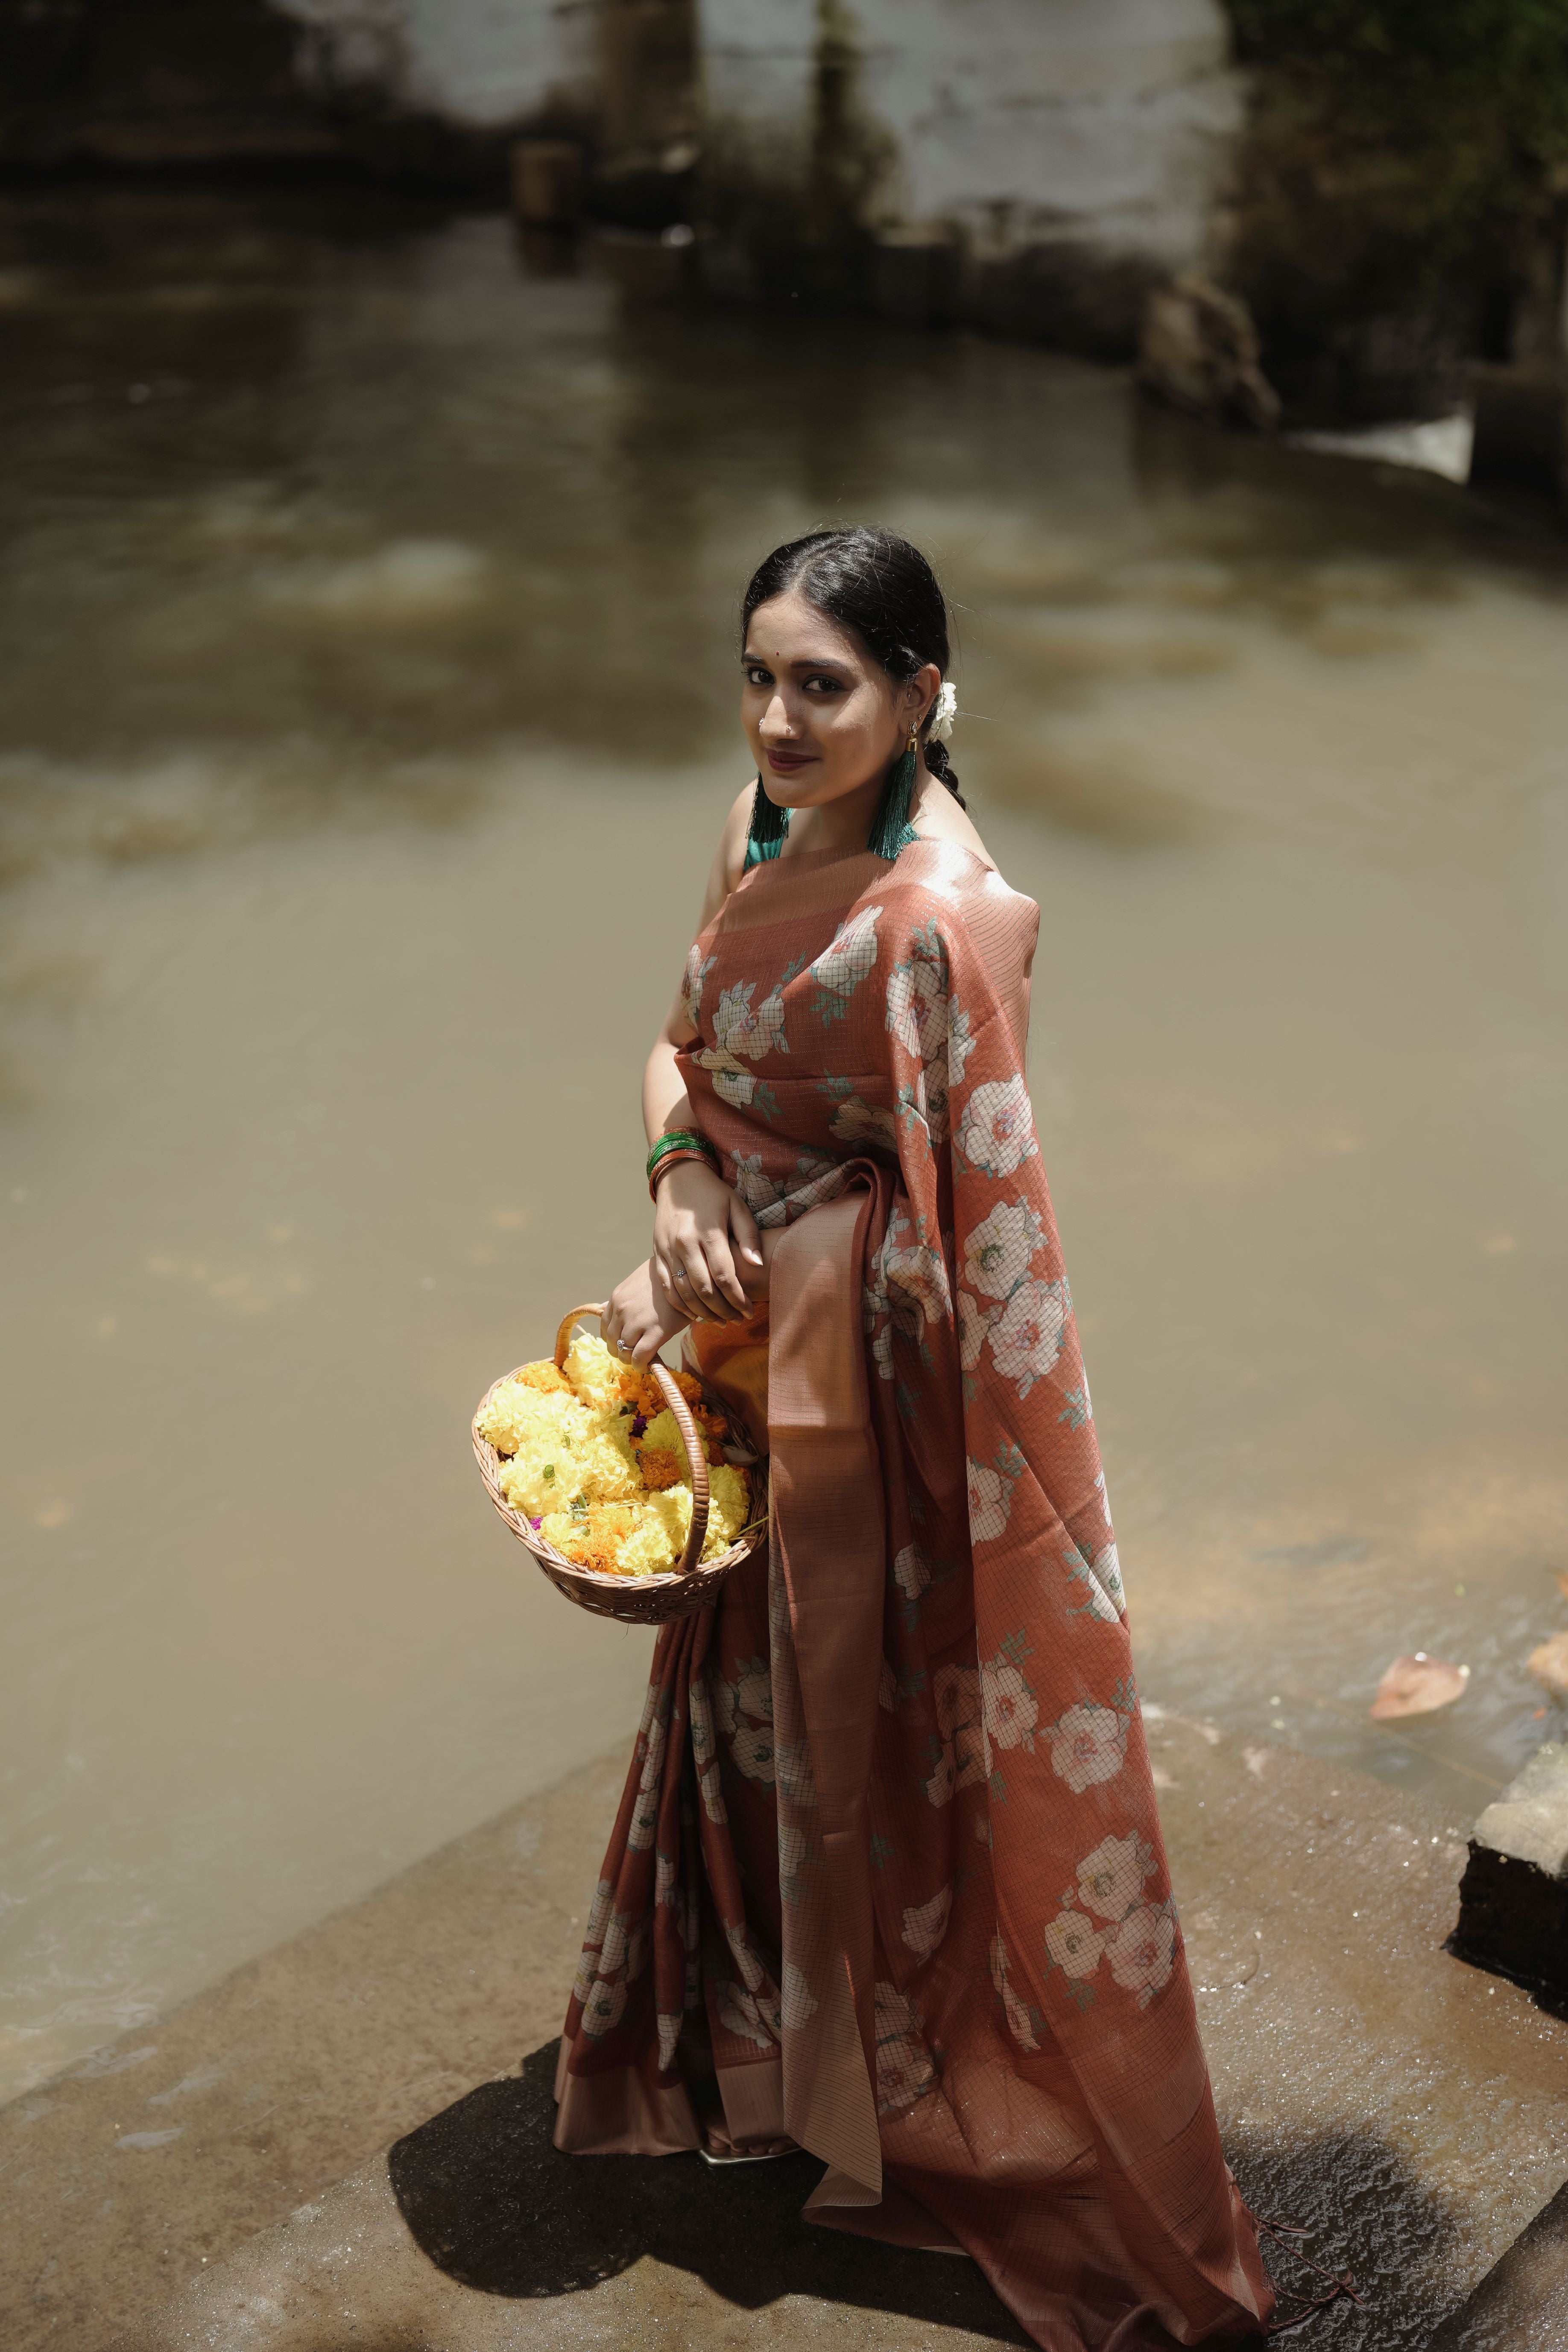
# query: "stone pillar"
x,y
758,67
1522,426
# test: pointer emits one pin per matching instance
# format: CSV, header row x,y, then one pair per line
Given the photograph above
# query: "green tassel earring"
x,y
769,825
891,831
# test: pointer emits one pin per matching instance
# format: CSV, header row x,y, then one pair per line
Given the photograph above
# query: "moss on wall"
x,y
1402,184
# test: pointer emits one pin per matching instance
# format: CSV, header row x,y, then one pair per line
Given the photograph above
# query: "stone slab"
x,y
1521,2304
656,2256
1513,1920
1513,1898
1530,1821
178,2142
1410,2111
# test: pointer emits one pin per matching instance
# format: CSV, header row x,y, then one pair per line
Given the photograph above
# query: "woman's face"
x,y
821,716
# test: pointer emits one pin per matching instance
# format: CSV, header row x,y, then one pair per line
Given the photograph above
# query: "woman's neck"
x,y
843,823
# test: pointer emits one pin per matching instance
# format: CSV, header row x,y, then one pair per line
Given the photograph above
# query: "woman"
x,y
886,1882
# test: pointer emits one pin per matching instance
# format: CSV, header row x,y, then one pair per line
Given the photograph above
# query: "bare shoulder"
x,y
729,857
738,823
937,816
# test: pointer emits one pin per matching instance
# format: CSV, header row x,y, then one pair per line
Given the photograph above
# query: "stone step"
x,y
1411,2111
1513,1898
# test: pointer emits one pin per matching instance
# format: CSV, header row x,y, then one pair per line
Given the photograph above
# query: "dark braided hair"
x,y
874,583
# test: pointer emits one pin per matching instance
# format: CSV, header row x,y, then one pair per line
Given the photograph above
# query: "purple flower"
x,y
639,1423
536,1524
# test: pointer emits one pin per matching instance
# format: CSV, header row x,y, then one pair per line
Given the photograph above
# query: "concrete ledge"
x,y
515,2248
1513,1900
1529,1819
179,2142
1521,2304
1408,2110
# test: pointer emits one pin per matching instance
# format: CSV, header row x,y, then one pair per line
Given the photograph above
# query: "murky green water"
x,y
365,719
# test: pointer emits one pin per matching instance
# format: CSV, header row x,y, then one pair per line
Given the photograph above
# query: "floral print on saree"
x,y
887,1881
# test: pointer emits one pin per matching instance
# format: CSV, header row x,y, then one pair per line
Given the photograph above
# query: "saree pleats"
x,y
886,1880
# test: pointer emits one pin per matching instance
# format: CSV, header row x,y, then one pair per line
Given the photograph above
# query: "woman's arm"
x,y
665,1103
705,1240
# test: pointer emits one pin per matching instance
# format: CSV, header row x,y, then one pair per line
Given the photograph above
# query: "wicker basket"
x,y
693,1582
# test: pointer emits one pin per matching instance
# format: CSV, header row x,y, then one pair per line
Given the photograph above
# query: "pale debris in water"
x,y
1549,1664
1417,1686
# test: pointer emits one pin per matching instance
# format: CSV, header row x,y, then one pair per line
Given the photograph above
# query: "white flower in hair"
x,y
944,713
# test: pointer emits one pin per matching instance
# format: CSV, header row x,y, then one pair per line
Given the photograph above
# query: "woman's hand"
x,y
640,1316
707,1251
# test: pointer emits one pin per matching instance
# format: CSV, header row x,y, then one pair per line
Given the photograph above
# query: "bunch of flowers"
x,y
593,1459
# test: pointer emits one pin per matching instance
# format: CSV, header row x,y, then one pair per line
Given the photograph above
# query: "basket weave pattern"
x,y
693,1582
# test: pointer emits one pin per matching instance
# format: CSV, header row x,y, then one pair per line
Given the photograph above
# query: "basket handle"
x,y
697,1460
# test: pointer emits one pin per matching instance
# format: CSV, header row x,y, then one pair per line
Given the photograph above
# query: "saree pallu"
x,y
887,1881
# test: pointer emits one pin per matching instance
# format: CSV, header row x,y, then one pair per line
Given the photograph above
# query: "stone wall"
x,y
1065,151
477,64
1058,151
1011,119
414,88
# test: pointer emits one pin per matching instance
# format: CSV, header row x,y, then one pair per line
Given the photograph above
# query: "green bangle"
x,y
679,1138
675,1139
680,1159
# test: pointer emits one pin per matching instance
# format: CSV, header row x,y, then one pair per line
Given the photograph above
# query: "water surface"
x,y
366,717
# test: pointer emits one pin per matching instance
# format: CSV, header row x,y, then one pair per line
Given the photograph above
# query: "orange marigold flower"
x,y
660,1467
544,1377
690,1387
597,1543
642,1391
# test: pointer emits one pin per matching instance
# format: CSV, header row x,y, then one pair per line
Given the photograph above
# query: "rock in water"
x,y
1549,1664
1198,351
1417,1686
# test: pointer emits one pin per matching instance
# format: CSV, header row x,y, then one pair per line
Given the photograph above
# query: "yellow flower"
x,y
662,1435
663,1522
518,1412
601,1497
593,1373
729,1507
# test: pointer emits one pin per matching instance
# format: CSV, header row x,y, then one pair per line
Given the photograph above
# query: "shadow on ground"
x,y
492,2204
495,2206
1363,2212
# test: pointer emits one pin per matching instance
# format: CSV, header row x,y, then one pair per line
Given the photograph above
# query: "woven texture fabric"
x,y
886,1880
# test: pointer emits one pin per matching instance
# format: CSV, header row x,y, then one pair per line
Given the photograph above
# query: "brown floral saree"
x,y
887,1881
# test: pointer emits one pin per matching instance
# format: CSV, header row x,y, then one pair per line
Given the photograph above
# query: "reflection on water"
x,y
365,723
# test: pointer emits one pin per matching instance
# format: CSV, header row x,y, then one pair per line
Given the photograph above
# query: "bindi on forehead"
x,y
783,657
789,632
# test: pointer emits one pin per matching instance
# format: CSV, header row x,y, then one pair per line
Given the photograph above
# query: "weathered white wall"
x,y
1104,121
1100,123
758,67
473,63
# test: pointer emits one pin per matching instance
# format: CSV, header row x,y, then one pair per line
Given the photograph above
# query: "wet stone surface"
x,y
1521,2304
1409,2111
492,2204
